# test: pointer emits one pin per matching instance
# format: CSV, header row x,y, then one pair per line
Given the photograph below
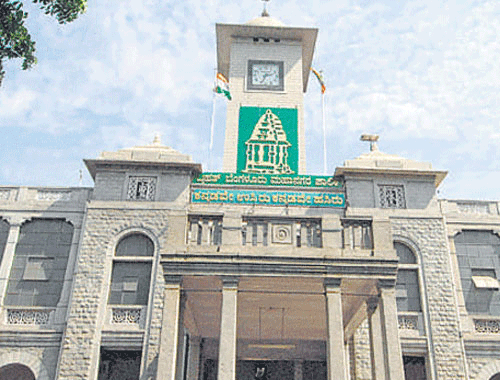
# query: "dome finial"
x,y
264,11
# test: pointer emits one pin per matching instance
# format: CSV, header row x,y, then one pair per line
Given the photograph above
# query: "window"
x,y
16,371
130,280
38,268
414,367
141,188
39,264
119,364
392,196
478,262
135,245
130,283
407,285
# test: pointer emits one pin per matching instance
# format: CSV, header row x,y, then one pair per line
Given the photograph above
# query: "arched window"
x,y
39,265
135,245
16,371
495,377
131,276
407,286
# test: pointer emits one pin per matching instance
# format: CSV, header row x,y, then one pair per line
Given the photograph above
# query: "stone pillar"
x,y
62,305
8,257
335,345
298,369
231,229
376,339
228,326
390,330
194,359
168,356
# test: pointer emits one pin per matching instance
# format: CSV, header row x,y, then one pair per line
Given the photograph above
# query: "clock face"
x,y
265,75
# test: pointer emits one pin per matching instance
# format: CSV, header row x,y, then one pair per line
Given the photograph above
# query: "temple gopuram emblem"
x,y
267,147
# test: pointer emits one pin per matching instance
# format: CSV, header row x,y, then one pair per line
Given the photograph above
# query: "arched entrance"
x,y
495,377
16,371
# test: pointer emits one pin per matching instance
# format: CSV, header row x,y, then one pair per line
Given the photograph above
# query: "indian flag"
x,y
222,86
321,80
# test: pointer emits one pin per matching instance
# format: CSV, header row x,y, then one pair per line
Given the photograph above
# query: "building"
x,y
161,271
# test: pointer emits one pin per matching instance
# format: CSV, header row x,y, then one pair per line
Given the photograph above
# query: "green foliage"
x,y
15,40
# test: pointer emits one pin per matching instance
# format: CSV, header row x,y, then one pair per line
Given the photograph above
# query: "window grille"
x,y
141,188
392,196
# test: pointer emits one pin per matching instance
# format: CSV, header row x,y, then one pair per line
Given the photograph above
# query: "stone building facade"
x,y
161,271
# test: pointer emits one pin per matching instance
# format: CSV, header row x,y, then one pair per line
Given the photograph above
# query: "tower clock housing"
x,y
268,65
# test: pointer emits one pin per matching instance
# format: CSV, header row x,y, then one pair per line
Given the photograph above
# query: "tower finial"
x,y
264,11
373,141
157,139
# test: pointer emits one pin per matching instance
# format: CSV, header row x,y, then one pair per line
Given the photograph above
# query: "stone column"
x,y
194,360
298,369
334,321
376,339
8,257
228,325
168,356
390,330
62,305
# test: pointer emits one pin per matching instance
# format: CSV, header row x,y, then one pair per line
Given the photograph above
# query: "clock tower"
x,y
267,64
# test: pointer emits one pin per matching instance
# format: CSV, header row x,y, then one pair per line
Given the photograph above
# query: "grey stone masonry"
x,y
80,348
429,236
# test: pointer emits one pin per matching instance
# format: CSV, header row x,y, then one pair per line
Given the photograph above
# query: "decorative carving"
x,y
4,194
51,195
141,188
473,207
126,316
392,196
28,317
408,322
487,326
267,147
282,233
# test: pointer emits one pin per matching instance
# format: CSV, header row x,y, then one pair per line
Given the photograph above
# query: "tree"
x,y
15,40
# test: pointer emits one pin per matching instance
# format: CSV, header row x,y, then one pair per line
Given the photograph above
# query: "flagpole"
x,y
212,127
324,132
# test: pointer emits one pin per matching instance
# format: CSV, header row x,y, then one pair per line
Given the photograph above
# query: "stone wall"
x,y
103,227
429,236
362,359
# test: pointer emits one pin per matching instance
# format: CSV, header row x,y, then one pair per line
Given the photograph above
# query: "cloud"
x,y
421,74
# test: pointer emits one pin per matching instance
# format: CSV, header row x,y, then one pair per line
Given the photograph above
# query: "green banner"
x,y
215,178
267,141
268,198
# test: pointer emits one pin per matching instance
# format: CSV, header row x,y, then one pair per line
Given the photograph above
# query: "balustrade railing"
x,y
204,230
28,316
357,234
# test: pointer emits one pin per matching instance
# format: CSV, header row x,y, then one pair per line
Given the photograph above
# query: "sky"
x,y
424,75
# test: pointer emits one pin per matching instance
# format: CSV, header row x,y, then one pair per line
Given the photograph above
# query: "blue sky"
x,y
424,75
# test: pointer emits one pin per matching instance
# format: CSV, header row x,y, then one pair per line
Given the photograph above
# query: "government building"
x,y
164,271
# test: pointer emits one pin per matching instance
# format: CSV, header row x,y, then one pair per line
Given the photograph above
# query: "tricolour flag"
x,y
320,79
222,86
